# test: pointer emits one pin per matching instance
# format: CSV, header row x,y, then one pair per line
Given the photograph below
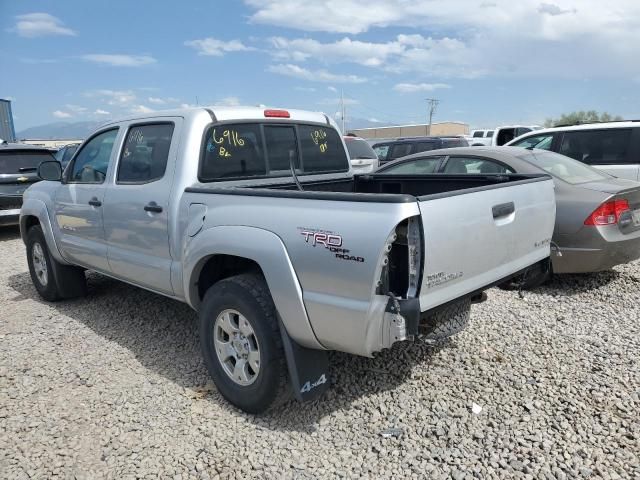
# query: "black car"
x,y
18,169
389,150
64,154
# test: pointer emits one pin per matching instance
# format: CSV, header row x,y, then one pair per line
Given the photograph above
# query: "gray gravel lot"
x,y
112,386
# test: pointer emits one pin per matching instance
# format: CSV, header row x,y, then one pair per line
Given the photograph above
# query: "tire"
x,y
53,280
226,342
536,275
446,322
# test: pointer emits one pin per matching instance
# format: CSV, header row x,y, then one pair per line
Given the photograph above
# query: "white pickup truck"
x,y
254,218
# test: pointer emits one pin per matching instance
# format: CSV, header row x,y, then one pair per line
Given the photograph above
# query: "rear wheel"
x,y
446,322
241,343
52,280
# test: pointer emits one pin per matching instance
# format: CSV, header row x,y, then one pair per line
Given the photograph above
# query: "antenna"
x,y
432,104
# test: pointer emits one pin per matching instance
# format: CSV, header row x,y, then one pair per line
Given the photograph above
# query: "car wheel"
x,y
53,280
446,322
241,343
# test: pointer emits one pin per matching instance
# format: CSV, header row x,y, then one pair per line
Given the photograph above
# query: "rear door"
x,y
475,238
79,200
136,206
614,150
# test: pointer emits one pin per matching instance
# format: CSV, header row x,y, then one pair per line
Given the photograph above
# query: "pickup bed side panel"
x,y
335,249
268,251
471,240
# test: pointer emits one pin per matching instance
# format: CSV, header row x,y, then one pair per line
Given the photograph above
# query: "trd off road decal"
x,y
330,241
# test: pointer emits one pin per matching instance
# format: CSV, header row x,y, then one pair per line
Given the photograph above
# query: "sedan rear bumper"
x,y
585,260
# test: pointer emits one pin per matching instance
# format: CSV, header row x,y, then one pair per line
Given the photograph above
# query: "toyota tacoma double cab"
x,y
254,218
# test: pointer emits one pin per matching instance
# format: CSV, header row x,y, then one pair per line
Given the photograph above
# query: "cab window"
x,y
92,161
475,165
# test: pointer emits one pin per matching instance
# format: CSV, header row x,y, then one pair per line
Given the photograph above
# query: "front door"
x,y
78,206
136,207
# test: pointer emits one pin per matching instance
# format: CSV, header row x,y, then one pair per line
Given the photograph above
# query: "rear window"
x,y
454,142
564,168
597,146
400,150
359,148
22,161
238,151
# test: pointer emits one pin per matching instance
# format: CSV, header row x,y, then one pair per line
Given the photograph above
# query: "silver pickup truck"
x,y
254,218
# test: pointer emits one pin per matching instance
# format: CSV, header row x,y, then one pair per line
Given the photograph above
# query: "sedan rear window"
x,y
359,148
22,161
564,168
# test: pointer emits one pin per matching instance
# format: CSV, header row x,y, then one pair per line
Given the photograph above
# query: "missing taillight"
x,y
401,266
608,213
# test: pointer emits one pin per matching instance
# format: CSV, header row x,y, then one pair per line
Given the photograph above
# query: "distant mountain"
x,y
60,131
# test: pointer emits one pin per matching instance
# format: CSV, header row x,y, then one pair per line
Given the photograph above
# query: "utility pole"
x,y
342,111
432,106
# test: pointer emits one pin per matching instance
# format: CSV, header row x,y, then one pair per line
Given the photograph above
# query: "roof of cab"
x,y
223,113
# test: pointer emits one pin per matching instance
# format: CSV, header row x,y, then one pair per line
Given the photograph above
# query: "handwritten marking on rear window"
x,y
221,144
319,137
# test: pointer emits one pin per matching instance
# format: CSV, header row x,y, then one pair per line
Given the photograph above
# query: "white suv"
x,y
613,146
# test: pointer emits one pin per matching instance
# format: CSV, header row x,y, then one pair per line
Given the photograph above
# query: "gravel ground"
x,y
112,386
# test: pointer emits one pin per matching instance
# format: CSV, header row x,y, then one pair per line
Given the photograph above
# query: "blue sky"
x,y
489,62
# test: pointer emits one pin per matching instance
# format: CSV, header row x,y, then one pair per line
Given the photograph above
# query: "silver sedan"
x,y
597,215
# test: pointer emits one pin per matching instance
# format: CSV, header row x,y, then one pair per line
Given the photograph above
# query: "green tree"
x,y
575,118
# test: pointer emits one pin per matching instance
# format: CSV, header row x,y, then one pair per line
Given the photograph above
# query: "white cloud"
x,y
296,71
163,101
99,111
336,101
113,97
75,108
141,109
306,89
61,114
217,48
229,101
117,60
33,25
419,87
567,38
332,89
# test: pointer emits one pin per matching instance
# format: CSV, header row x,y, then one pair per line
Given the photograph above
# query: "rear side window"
x,y
399,150
424,147
597,146
475,165
145,153
419,166
238,151
478,134
536,141
22,162
381,151
489,134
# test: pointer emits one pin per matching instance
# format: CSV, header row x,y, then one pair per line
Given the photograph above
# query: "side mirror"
x,y
50,170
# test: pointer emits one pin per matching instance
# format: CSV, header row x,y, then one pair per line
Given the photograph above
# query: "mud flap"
x,y
308,368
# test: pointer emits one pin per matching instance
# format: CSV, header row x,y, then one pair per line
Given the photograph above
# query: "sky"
x,y
489,62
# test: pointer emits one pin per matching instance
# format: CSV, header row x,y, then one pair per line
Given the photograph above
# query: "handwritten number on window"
x,y
319,137
221,144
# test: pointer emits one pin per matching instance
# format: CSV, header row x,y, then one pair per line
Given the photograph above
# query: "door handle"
x,y
94,202
152,207
503,209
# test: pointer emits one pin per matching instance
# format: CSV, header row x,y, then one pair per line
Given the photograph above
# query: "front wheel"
x,y
241,343
52,280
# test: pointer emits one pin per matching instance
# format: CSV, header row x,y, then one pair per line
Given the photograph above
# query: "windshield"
x,y
359,148
564,168
22,161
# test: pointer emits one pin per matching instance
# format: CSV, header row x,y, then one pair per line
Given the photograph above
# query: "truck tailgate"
x,y
476,237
